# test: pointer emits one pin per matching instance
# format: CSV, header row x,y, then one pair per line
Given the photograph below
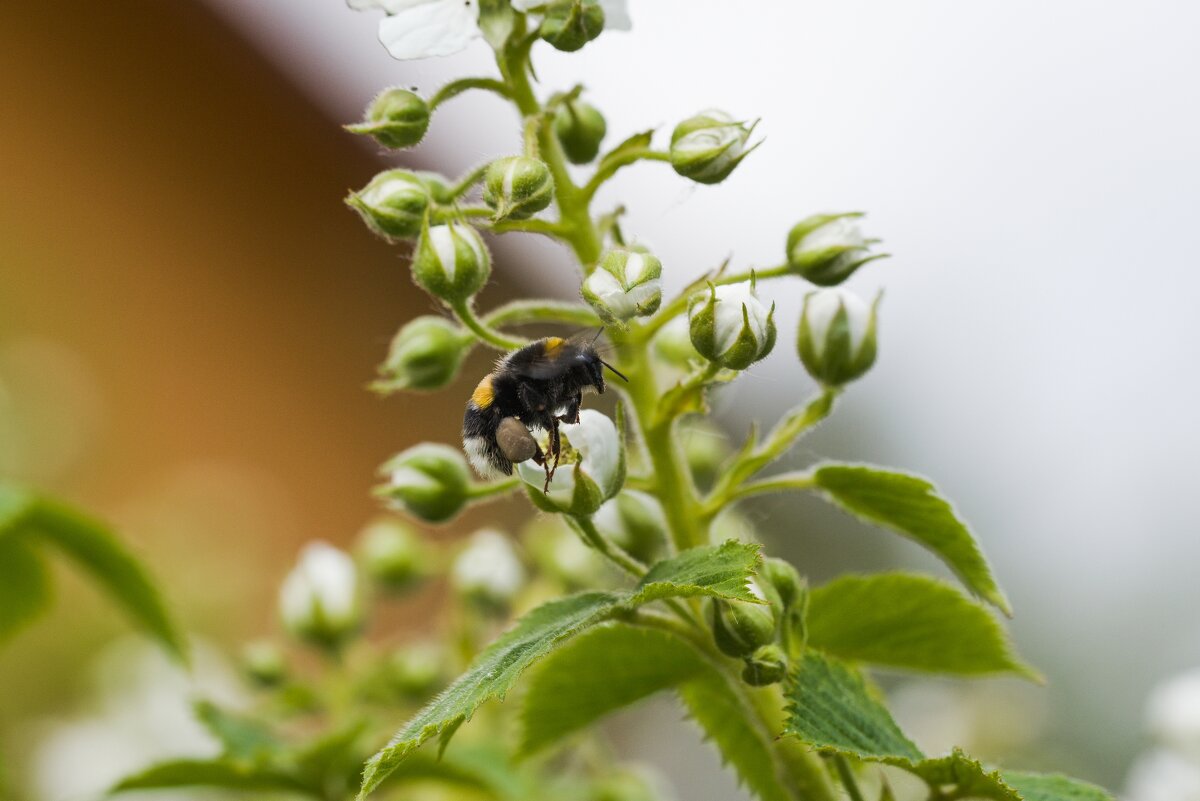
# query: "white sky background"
x,y
1035,169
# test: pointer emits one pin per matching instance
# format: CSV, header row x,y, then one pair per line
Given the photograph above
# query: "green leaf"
x,y
960,776
211,773
831,709
721,571
911,506
15,504
1052,787
605,669
24,588
96,550
909,621
616,665
491,675
242,738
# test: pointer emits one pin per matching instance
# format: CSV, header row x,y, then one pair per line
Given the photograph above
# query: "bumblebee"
x,y
537,387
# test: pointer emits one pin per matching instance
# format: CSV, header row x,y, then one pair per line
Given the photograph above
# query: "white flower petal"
x,y
1173,713
595,437
431,28
616,15
390,6
821,308
729,318
842,232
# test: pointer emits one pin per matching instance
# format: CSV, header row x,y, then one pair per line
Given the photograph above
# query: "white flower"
x,y
581,488
1162,775
424,28
488,569
731,326
1173,714
319,599
837,336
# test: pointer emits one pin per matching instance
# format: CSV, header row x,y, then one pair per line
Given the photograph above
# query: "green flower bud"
x,y
415,670
320,599
784,580
580,129
767,665
570,25
393,553
517,187
559,552
451,262
429,481
625,284
634,521
397,118
731,327
393,204
591,471
740,627
425,354
706,448
827,249
488,572
263,663
837,336
438,186
707,147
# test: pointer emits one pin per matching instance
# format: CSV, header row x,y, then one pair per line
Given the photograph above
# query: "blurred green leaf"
x,y
909,621
115,570
211,773
24,586
15,504
242,739
1052,787
911,506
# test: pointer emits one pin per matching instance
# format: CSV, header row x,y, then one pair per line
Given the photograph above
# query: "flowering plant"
x,y
627,583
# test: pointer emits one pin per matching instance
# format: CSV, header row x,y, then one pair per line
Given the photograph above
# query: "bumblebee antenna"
x,y
598,333
615,371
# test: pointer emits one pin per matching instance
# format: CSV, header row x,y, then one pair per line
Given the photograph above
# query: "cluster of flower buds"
x,y
836,339
580,128
759,633
731,327
597,473
826,249
397,118
488,571
431,482
707,147
517,187
425,354
321,600
627,283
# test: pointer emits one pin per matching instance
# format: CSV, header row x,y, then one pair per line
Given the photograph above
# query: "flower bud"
x,y
319,600
425,354
788,585
487,571
634,521
429,481
415,670
263,663
837,336
451,262
580,129
571,24
625,284
396,118
393,204
827,249
591,469
708,146
731,327
438,186
559,552
393,554
767,665
517,187
740,627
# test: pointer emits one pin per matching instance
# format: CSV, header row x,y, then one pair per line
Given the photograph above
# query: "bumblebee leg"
x,y
556,449
571,416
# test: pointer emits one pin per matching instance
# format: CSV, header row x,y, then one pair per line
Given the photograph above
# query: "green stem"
x,y
591,536
609,167
455,88
847,777
524,312
784,482
479,492
469,180
804,769
535,226
464,313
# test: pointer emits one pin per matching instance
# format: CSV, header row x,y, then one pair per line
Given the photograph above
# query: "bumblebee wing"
x,y
545,359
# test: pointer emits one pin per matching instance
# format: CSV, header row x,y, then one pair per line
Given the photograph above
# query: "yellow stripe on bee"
x,y
554,345
483,395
